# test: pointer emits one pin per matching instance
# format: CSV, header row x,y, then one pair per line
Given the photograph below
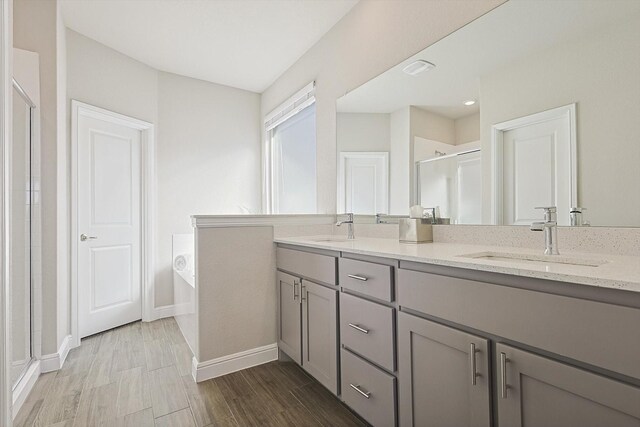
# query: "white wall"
x,y
586,72
468,129
363,132
101,76
428,125
208,160
400,162
372,37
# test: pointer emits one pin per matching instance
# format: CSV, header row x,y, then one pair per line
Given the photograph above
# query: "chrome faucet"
x,y
349,222
550,228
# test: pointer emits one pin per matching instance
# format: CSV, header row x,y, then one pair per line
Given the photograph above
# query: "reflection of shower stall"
x,y
453,183
24,226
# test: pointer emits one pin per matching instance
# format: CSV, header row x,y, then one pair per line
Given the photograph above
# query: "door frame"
x,y
6,74
497,152
147,211
342,174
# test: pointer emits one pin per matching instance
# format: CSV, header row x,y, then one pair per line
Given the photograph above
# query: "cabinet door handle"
x,y
472,361
303,291
359,328
355,276
503,375
295,295
364,394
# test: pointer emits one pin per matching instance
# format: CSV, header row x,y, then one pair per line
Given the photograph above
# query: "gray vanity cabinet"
x,y
444,375
308,312
289,316
537,391
319,333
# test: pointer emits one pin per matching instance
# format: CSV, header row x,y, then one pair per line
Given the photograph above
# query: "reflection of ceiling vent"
x,y
418,67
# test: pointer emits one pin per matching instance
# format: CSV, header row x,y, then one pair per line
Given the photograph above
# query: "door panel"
x,y
537,171
364,183
289,316
319,334
109,214
540,392
436,379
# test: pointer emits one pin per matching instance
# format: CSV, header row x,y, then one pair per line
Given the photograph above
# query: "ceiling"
x,y
245,44
512,31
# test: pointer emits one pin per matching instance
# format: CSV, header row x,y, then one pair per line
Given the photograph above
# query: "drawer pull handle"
x,y
359,328
472,360
355,276
503,375
364,394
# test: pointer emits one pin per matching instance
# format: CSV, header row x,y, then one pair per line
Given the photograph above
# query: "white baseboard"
x,y
53,362
162,312
24,387
233,362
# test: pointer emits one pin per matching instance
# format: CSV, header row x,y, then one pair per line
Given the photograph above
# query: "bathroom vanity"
x,y
435,334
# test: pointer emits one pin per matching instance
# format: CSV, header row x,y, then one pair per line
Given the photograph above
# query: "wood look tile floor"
x,y
139,375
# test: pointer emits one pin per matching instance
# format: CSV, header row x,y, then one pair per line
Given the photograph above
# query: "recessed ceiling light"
x,y
418,67
469,102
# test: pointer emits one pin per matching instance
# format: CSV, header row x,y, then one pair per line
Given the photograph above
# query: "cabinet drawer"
x,y
312,266
367,278
575,328
368,390
367,329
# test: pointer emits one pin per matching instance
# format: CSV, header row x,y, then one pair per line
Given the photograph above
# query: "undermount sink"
x,y
332,239
537,259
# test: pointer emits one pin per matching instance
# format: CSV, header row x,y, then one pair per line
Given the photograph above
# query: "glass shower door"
x,y
20,218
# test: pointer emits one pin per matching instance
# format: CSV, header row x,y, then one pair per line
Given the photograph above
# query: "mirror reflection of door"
x,y
537,166
363,183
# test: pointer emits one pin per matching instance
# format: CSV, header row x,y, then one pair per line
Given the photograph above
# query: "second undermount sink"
x,y
537,259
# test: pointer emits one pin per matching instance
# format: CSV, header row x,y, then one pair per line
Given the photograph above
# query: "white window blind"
x,y
298,102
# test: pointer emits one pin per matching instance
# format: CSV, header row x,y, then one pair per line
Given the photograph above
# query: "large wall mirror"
x,y
536,103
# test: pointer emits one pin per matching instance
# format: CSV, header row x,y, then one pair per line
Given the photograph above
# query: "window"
x,y
290,156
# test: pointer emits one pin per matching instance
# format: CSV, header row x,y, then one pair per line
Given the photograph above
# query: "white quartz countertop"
x,y
619,272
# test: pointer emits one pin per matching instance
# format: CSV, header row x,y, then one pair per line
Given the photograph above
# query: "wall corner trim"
x,y
202,371
53,362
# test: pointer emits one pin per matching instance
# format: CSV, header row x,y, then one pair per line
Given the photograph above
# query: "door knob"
x,y
84,237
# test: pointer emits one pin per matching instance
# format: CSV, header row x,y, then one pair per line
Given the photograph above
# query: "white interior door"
x,y
537,171
109,224
364,183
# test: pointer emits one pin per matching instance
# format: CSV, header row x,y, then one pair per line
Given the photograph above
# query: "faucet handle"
x,y
548,208
349,216
549,213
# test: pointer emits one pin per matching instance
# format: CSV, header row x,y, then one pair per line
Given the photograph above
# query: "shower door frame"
x,y
5,135
32,127
25,67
